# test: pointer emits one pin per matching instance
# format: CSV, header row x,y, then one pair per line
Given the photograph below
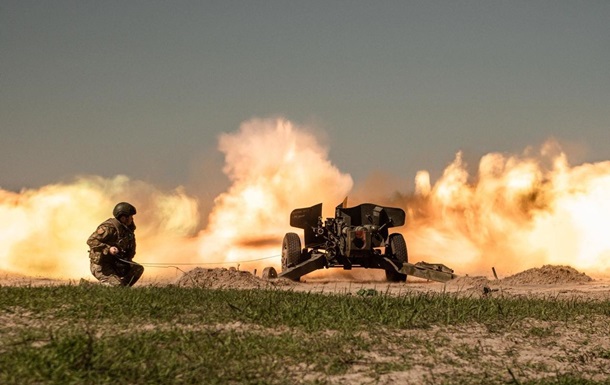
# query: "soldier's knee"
x,y
134,275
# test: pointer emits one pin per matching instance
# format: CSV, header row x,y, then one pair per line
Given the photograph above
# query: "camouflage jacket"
x,y
112,233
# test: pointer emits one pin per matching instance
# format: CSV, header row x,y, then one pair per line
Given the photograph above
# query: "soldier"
x,y
112,248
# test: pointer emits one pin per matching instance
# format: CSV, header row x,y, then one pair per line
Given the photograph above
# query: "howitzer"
x,y
355,237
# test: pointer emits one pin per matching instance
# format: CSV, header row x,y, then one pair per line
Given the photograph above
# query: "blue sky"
x,y
144,88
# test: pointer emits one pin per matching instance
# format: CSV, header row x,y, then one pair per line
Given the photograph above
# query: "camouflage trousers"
x,y
117,273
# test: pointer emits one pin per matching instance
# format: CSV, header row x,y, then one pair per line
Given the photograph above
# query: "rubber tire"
x,y
398,252
269,273
291,251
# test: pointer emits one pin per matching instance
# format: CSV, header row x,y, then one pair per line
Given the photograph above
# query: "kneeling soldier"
x,y
112,248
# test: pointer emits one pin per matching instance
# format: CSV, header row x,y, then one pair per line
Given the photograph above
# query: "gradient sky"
x,y
144,88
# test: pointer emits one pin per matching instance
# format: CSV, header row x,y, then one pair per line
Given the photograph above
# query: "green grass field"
x,y
169,335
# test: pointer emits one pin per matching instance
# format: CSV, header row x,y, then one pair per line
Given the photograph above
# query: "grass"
x,y
93,334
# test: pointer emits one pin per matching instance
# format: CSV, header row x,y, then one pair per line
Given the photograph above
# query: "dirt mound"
x,y
547,275
467,282
224,279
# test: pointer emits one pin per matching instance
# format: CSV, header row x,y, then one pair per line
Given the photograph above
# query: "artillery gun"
x,y
353,238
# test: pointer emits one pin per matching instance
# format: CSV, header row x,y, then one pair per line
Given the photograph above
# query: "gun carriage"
x,y
357,237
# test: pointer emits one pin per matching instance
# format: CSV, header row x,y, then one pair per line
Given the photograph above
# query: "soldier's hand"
x,y
114,250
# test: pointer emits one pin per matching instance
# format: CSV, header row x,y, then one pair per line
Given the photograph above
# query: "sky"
x,y
146,88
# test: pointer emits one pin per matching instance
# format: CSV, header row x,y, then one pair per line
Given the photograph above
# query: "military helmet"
x,y
123,208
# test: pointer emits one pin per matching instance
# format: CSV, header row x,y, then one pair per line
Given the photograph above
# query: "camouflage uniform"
x,y
107,268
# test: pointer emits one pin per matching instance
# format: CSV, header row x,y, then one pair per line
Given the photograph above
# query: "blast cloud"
x,y
44,231
517,212
275,166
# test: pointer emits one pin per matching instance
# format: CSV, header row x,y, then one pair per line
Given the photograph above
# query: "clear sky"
x,y
144,88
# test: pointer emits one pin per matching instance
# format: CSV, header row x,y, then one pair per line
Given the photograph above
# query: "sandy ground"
x,y
546,281
476,286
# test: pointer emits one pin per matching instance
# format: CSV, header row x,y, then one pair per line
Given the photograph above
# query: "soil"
x,y
548,280
227,279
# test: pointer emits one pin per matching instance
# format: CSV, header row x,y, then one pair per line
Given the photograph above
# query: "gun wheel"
x,y
291,251
398,252
269,273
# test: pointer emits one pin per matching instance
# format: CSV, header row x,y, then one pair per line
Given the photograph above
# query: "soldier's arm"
x,y
99,240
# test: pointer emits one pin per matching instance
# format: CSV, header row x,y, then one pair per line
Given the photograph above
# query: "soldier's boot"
x,y
111,280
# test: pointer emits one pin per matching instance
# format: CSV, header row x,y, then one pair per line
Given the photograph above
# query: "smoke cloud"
x,y
517,212
274,166
44,231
